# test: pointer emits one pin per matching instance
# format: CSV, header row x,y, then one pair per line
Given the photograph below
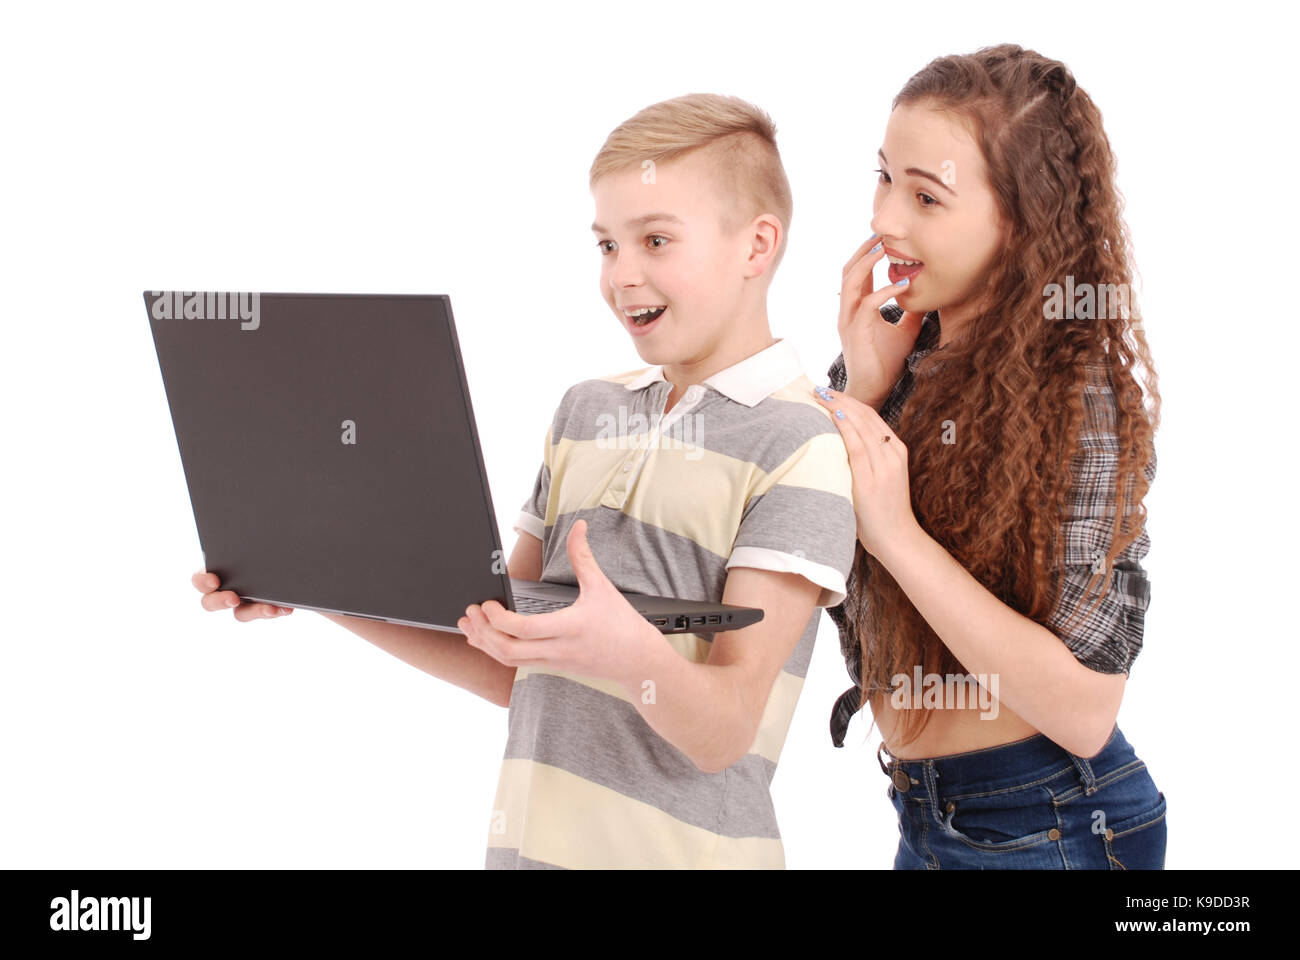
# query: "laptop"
x,y
333,461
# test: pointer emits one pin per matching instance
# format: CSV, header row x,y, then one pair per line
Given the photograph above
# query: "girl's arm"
x,y
1038,676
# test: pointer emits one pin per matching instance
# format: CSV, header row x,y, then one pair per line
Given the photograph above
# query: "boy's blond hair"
x,y
738,139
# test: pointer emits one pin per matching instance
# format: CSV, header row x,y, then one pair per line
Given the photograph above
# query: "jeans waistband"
x,y
994,768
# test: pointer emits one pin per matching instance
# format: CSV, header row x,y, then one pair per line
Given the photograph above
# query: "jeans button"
x,y
902,782
1053,834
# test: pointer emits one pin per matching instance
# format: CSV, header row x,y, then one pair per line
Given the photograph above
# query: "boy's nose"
x,y
625,274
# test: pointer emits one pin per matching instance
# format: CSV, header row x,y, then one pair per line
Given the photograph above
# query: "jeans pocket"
x,y
1002,822
1138,842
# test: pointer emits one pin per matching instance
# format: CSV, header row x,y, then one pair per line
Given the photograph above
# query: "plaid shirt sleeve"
x,y
1104,635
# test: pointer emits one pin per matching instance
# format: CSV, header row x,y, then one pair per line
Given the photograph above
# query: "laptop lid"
x,y
333,460
322,438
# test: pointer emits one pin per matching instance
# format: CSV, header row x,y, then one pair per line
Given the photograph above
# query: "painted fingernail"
x,y
839,414
905,281
872,237
876,248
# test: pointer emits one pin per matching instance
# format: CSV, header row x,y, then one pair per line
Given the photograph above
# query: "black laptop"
x,y
333,461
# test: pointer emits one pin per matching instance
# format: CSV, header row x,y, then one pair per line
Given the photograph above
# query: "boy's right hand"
x,y
214,598
874,349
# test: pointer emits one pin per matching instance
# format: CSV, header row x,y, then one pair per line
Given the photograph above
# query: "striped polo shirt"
x,y
746,470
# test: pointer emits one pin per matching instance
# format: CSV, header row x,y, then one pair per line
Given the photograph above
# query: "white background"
x,y
404,148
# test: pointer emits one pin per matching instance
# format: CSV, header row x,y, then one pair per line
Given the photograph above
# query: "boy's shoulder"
x,y
785,419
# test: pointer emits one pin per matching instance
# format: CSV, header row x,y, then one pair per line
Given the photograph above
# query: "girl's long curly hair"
x,y
1012,384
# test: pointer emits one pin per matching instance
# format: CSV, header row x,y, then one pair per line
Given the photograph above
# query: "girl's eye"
x,y
657,236
603,246
927,200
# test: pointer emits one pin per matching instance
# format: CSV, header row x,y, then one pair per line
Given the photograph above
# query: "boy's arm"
x,y
793,552
445,654
711,711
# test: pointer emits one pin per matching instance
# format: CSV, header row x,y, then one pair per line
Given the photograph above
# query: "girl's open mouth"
x,y
897,271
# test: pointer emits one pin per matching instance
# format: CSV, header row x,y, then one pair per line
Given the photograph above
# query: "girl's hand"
x,y
874,349
882,498
600,635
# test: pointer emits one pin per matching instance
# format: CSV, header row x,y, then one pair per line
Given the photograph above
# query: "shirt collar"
x,y
927,340
750,381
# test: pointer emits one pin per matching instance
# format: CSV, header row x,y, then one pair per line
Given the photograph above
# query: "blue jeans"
x,y
1028,805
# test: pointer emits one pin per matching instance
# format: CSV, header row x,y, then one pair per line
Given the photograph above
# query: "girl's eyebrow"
x,y
918,172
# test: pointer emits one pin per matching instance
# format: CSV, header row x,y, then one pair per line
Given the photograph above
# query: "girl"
x,y
1001,450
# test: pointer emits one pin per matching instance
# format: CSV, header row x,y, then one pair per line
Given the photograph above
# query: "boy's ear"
x,y
764,235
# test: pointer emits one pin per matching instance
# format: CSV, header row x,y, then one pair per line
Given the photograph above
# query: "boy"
x,y
713,474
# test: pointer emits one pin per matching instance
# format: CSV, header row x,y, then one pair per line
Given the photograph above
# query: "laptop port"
x,y
661,621
682,623
714,618
698,620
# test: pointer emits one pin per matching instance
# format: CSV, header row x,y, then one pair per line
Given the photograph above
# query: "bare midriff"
x,y
948,731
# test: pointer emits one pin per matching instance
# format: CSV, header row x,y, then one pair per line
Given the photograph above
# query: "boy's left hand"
x,y
882,497
600,635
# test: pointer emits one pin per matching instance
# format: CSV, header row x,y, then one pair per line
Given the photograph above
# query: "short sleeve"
x,y
799,517
532,514
1104,635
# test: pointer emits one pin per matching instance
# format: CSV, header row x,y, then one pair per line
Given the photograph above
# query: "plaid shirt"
x,y
1109,638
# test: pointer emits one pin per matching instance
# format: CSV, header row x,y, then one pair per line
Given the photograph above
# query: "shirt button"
x,y
627,467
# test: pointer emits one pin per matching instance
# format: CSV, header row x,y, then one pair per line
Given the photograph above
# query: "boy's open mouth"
x,y
641,318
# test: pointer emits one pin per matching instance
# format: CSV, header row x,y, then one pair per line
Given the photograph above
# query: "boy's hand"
x,y
874,349
215,598
600,635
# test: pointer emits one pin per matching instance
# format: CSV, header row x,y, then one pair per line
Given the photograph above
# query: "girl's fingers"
x,y
840,406
862,429
859,253
872,301
857,285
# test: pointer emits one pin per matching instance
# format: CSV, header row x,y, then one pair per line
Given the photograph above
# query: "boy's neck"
x,y
728,353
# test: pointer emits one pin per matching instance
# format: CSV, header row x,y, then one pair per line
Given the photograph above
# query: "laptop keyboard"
x,y
530,605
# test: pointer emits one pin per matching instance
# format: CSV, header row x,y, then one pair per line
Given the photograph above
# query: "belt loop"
x,y
881,760
1086,776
